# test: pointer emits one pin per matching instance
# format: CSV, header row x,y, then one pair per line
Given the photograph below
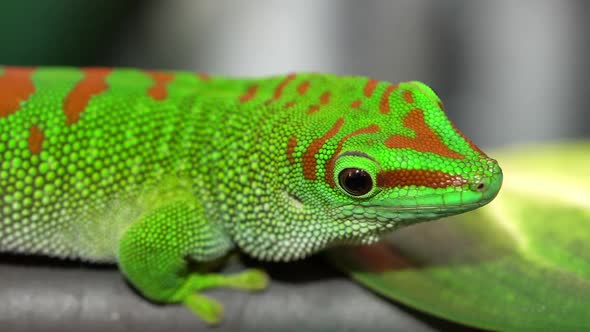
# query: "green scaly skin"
x,y
153,169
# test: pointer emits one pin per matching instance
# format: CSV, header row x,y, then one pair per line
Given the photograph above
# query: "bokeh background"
x,y
510,72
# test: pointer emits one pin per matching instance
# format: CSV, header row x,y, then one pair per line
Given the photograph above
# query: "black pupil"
x,y
355,181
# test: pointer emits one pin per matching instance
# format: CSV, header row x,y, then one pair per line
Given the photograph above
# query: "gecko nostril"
x,y
480,187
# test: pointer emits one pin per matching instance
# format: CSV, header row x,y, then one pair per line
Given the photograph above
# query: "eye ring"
x,y
355,181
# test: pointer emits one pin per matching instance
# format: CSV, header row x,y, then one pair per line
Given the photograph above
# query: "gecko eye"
x,y
355,181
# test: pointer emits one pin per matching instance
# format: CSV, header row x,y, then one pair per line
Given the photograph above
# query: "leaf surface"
x,y
520,263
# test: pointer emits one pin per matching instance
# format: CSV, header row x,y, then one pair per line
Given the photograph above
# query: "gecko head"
x,y
381,194
399,161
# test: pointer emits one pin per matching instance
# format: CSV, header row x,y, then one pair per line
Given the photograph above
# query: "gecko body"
x,y
152,169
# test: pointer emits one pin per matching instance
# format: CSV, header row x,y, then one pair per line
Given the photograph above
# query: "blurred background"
x,y
510,72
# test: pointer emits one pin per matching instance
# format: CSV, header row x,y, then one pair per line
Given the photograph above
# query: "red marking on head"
x,y
309,160
421,178
203,76
289,104
158,89
471,144
312,109
16,86
36,138
303,87
325,98
384,104
330,163
249,94
291,145
370,87
279,89
425,141
93,83
355,104
408,96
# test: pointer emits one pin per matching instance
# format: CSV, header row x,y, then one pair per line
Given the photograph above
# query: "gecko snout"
x,y
489,185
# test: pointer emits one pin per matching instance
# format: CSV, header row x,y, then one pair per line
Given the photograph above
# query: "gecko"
x,y
163,172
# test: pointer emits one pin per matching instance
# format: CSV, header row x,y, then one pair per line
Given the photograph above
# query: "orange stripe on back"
x,y
289,104
303,87
249,94
425,141
325,98
16,86
291,145
36,138
158,89
408,96
309,160
312,109
355,103
370,87
279,89
93,83
384,104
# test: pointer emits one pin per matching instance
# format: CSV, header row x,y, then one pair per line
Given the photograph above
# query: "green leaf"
x,y
520,263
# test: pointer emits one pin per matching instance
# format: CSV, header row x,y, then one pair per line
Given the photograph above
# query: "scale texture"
x,y
153,170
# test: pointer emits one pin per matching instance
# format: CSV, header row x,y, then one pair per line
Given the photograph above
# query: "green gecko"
x,y
162,171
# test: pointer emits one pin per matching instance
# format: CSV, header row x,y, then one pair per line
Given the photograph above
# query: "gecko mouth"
x,y
417,209
401,214
469,206
389,219
436,206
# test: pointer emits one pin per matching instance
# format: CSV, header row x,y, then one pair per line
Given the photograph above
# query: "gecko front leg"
x,y
154,252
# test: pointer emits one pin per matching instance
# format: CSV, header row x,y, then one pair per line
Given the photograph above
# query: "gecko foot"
x,y
208,309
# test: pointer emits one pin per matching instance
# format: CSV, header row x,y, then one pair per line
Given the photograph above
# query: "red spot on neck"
x,y
36,138
16,86
93,83
309,159
249,94
384,104
425,141
421,178
289,104
158,89
303,87
370,87
330,163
